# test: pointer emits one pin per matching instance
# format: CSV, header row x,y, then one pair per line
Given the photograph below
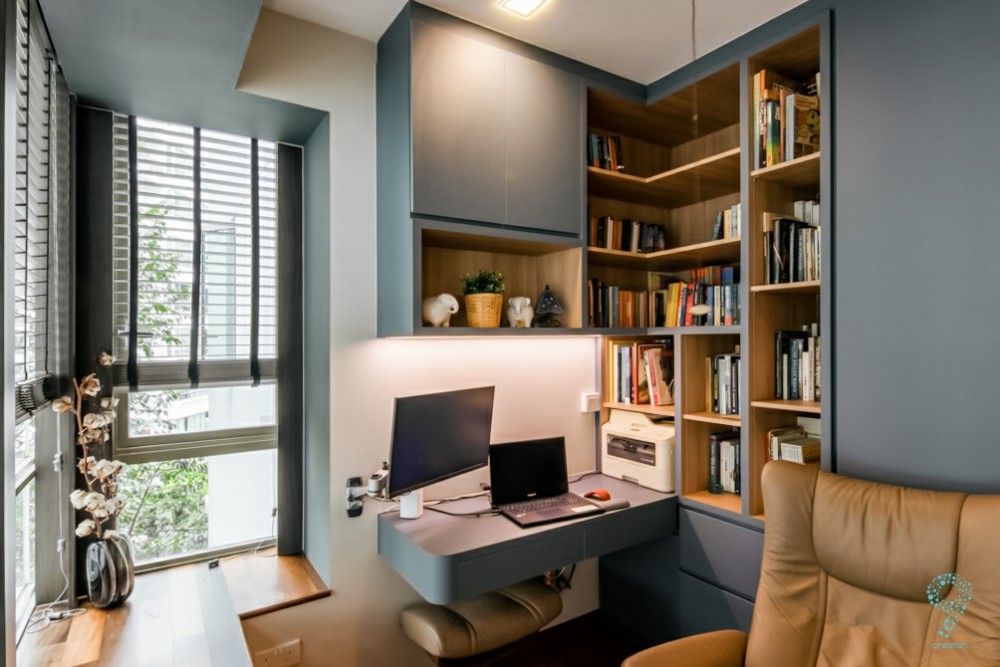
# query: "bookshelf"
x,y
714,165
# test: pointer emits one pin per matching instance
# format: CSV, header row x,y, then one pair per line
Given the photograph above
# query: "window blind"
x,y
197,275
33,84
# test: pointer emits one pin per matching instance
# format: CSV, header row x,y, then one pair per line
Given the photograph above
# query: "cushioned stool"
x,y
485,623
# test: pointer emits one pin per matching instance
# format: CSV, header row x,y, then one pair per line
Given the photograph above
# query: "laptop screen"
x,y
528,469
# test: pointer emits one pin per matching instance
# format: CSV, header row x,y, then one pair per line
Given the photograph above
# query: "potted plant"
x,y
483,297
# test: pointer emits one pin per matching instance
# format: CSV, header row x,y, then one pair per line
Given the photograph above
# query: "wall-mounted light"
x,y
523,8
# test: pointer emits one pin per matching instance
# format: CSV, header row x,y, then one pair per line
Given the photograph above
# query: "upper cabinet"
x,y
497,137
480,166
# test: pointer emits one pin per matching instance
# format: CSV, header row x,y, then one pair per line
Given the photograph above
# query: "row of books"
x,y
728,223
797,364
609,306
792,249
798,443
605,151
786,118
626,234
642,373
806,210
724,462
723,386
695,305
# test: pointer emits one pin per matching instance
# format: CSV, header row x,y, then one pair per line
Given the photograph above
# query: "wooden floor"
x,y
186,616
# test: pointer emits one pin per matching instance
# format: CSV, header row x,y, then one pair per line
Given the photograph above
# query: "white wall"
x,y
538,381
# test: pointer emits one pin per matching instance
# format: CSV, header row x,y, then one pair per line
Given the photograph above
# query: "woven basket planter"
x,y
484,310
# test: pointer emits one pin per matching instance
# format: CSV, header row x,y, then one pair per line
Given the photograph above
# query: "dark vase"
x,y
110,570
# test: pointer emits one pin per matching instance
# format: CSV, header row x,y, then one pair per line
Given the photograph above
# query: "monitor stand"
x,y
411,504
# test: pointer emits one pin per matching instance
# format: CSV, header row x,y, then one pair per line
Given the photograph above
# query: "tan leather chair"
x,y
848,570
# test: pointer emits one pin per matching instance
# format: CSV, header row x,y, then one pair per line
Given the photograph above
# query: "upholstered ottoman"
x,y
485,623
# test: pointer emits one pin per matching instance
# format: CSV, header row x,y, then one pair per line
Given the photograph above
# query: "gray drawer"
x,y
721,552
707,608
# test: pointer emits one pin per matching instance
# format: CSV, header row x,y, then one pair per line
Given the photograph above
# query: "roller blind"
x,y
195,255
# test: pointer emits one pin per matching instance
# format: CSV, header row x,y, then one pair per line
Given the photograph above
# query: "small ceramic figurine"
x,y
439,309
520,313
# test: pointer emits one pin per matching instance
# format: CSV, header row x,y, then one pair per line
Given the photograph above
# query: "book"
x,y
801,125
803,450
660,374
775,436
715,472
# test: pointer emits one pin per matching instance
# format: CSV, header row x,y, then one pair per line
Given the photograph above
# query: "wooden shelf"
x,y
724,251
795,173
653,410
713,418
729,502
710,177
811,407
804,287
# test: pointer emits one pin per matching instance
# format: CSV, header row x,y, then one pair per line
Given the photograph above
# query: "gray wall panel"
x,y
917,163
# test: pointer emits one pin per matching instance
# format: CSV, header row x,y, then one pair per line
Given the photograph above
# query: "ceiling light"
x,y
523,8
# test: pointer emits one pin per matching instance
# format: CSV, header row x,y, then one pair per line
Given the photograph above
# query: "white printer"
x,y
636,449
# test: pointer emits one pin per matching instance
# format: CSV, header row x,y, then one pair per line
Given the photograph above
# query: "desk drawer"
x,y
704,608
721,552
508,565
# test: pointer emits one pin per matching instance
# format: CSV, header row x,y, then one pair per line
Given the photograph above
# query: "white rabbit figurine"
x,y
520,313
439,309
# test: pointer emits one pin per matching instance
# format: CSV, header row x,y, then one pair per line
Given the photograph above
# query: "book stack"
x,y
724,462
605,152
786,118
710,297
642,373
610,306
791,249
798,443
728,223
625,234
797,364
723,386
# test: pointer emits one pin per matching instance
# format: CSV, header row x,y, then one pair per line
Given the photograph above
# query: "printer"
x,y
637,449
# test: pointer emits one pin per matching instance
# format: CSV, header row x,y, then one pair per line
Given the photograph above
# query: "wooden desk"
x,y
447,558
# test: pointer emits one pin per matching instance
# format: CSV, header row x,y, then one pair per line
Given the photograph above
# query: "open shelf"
x,y
792,173
810,407
729,502
644,408
732,421
802,287
724,251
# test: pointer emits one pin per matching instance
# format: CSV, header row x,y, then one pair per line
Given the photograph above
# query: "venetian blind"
x,y
195,255
35,167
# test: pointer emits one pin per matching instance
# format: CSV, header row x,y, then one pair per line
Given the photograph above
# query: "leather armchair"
x,y
849,574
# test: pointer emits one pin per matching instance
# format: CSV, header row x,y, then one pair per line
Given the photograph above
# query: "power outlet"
x,y
282,655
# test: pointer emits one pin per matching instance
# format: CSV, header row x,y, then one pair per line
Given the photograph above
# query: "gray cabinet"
x,y
720,552
496,137
458,126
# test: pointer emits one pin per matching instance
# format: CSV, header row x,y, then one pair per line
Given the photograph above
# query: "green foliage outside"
x,y
164,510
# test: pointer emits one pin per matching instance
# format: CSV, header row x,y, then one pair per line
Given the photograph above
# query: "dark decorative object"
x,y
110,570
546,309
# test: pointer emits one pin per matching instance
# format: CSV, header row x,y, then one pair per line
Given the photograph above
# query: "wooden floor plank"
x,y
84,640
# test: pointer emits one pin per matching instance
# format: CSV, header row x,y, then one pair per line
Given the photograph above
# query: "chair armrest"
x,y
723,648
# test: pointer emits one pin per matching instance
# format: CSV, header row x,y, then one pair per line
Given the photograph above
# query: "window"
x,y
195,274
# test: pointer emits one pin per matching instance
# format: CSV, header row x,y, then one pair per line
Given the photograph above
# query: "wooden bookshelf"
x,y
724,251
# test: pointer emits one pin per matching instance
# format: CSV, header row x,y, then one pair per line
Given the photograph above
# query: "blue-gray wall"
x,y
916,267
317,348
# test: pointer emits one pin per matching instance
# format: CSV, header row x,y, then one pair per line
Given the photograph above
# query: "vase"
x,y
110,570
484,309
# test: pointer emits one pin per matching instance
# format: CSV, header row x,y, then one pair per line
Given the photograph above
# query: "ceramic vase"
x,y
110,570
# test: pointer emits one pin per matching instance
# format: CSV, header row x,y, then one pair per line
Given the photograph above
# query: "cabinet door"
x,y
458,126
545,141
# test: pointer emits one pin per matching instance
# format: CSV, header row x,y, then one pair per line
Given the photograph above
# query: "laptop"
x,y
529,484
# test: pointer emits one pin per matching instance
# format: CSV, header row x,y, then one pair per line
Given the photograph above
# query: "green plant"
x,y
483,282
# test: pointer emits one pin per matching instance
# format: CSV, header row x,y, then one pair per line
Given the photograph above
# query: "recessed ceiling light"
x,y
523,8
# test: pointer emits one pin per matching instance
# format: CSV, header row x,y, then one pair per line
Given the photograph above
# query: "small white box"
x,y
635,449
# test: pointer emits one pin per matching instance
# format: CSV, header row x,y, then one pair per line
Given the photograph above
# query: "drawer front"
x,y
721,552
705,608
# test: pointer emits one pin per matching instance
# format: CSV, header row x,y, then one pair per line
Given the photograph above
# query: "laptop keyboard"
x,y
537,504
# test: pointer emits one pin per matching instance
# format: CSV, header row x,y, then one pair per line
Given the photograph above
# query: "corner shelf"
x,y
724,251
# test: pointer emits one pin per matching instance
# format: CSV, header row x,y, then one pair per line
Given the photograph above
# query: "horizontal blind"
x,y
168,160
32,215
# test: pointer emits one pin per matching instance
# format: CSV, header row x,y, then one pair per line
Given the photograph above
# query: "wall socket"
x,y
282,655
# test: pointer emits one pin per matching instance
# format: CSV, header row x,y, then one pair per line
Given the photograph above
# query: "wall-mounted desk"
x,y
447,558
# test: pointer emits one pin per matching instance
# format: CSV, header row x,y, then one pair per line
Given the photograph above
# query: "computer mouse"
x,y
599,494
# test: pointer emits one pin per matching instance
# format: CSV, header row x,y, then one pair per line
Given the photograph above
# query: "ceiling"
x,y
641,40
179,60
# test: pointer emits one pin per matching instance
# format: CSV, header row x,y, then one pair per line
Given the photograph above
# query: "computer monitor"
x,y
436,437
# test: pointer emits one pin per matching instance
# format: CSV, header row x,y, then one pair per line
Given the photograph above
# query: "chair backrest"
x,y
858,573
